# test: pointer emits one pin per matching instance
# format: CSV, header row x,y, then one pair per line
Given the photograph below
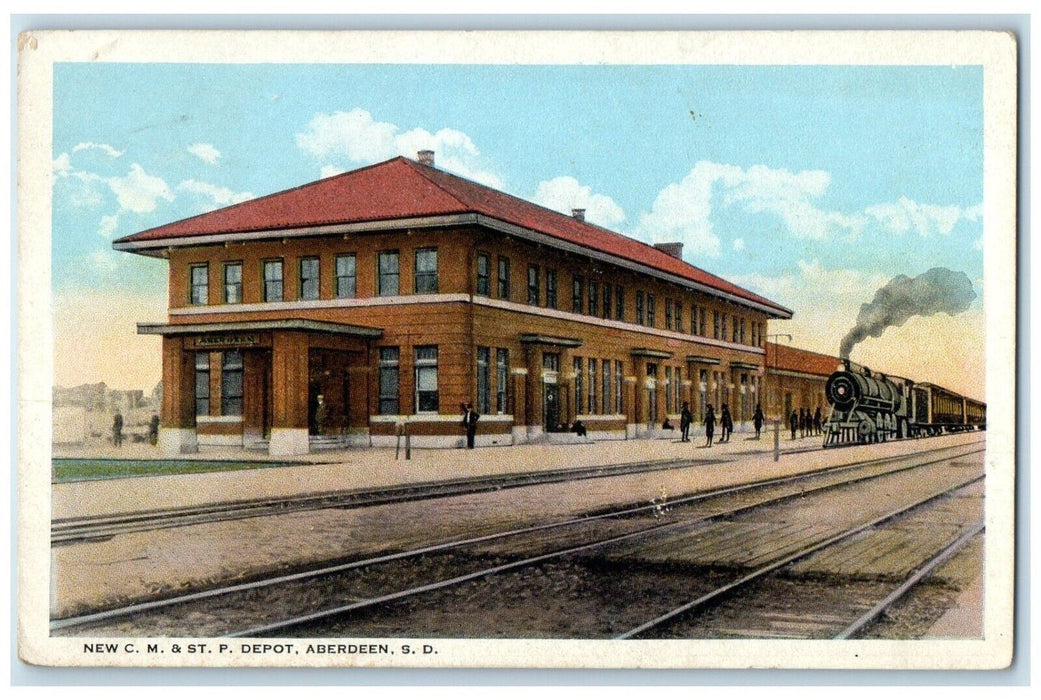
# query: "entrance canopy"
x,y
245,327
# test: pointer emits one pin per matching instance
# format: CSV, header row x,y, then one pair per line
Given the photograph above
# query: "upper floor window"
x,y
742,334
619,304
426,271
607,301
715,325
577,291
594,299
639,307
533,285
723,327
426,379
200,284
389,273
504,278
272,280
233,283
668,314
484,274
346,276
309,278
650,310
551,289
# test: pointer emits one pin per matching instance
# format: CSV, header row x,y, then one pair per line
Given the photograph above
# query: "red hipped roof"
x,y
400,189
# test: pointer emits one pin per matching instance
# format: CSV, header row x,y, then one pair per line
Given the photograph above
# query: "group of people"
x,y
805,423
117,429
726,423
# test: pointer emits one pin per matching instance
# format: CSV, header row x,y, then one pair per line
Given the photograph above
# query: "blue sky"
x,y
812,185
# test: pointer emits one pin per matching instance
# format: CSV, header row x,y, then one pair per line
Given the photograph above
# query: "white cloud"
x,y
354,134
108,225
220,196
739,244
357,137
906,215
103,261
331,170
204,151
103,147
565,193
62,165
139,192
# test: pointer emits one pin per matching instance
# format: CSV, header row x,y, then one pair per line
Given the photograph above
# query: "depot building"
x,y
378,302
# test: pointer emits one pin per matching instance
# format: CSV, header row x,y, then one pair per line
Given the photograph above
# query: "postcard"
x,y
516,349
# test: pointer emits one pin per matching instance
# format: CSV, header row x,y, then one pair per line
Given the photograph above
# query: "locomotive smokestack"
x,y
932,292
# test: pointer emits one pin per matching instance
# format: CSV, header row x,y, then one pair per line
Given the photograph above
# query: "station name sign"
x,y
209,341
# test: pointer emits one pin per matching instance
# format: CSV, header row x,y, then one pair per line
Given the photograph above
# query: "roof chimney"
x,y
579,214
673,249
426,158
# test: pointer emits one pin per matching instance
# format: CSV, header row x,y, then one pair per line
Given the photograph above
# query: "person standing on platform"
x,y
757,420
117,429
710,425
153,429
685,420
470,424
817,425
793,423
726,424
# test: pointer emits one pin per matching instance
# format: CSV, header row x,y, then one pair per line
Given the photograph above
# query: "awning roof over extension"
x,y
292,324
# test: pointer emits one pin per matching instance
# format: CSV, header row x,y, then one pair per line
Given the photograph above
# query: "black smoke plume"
x,y
932,292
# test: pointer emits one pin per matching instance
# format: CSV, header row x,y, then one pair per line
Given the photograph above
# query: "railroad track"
x,y
624,524
95,528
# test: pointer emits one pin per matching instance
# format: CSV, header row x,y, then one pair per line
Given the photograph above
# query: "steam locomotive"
x,y
871,407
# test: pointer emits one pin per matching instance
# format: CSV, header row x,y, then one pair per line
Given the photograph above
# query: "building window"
x,y
593,408
577,285
504,278
605,378
233,283
742,331
693,320
619,304
484,376
551,361
346,276
272,280
639,307
594,299
701,321
678,316
426,271
715,325
388,398
231,384
308,278
533,285
650,310
668,384
200,284
677,389
607,301
618,384
202,383
578,367
723,327
668,314
426,379
702,391
502,380
551,289
389,274
484,274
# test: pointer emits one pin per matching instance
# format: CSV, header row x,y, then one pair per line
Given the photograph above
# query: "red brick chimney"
x,y
579,214
673,249
426,158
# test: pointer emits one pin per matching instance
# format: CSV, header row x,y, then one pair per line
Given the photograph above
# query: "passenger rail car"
x,y
873,407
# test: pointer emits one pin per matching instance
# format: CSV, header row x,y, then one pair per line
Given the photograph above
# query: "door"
x,y
551,408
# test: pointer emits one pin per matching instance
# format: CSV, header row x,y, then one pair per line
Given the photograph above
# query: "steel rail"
x,y
714,595
126,611
529,561
952,548
71,530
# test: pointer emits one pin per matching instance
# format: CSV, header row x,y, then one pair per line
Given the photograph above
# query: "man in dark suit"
x,y
470,417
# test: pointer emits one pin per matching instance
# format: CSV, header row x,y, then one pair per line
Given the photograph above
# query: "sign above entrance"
x,y
209,341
